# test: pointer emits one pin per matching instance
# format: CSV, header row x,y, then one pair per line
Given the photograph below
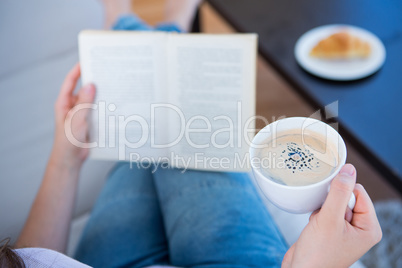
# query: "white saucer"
x,y
341,70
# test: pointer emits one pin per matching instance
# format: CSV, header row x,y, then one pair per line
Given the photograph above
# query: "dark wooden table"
x,y
370,108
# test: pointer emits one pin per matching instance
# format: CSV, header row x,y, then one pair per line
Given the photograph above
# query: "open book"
x,y
184,100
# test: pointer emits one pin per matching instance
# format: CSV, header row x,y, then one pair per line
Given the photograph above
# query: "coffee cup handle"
x,y
352,202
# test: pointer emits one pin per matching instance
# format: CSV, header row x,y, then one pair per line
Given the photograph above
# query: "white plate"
x,y
341,70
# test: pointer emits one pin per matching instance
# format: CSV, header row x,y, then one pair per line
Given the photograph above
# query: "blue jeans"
x,y
191,219
134,23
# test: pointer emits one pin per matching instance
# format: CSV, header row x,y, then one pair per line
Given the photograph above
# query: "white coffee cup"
x,y
297,199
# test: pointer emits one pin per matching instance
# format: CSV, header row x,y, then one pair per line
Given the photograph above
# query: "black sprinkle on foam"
x,y
298,159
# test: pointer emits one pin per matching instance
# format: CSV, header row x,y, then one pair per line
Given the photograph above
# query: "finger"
x,y
287,260
339,193
363,201
364,216
313,214
364,206
85,95
348,215
70,82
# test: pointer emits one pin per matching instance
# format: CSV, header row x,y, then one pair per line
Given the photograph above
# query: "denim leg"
x,y
125,227
216,220
133,23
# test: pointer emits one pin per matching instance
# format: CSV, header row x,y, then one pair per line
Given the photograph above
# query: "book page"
x,y
128,70
212,84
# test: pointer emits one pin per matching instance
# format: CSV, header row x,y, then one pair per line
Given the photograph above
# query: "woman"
x,y
191,219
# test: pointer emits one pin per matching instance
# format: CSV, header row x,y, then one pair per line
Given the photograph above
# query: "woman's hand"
x,y
329,240
64,152
49,221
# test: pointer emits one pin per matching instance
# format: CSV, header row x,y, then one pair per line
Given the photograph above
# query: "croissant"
x,y
341,45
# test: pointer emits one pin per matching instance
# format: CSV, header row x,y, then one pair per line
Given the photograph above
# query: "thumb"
x,y
86,94
339,194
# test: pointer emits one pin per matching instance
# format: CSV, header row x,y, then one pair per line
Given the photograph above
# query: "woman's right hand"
x,y
329,240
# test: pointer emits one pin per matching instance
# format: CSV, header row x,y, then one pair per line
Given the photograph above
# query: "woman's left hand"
x,y
49,221
71,121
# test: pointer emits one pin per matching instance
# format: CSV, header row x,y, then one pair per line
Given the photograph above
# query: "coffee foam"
x,y
299,159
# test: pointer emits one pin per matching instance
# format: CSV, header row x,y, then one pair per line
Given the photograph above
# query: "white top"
x,y
46,258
